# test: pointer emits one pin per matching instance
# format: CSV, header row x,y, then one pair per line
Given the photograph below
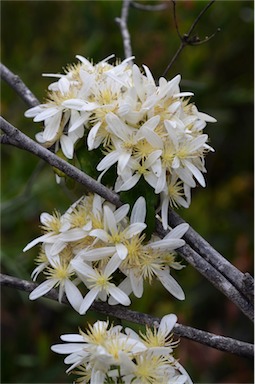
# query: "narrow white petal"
x,y
42,289
100,234
197,174
66,348
121,251
72,337
97,253
136,284
108,160
138,213
110,220
112,265
121,212
167,323
88,300
130,183
92,136
178,231
166,244
48,112
73,295
134,229
119,295
164,211
171,284
73,235
67,146
38,240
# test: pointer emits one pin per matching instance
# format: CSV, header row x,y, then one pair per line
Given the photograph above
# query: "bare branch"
x,y
221,343
187,39
22,141
146,7
214,276
17,84
199,17
122,21
200,245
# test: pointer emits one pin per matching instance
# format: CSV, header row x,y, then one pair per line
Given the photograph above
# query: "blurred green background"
x,y
42,37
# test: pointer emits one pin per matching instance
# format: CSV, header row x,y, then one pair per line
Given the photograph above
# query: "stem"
x,y
221,343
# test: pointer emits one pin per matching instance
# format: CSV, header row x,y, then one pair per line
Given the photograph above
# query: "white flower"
x,y
115,234
98,282
59,274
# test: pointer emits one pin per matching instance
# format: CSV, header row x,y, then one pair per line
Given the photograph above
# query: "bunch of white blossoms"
x,y
111,355
101,250
145,130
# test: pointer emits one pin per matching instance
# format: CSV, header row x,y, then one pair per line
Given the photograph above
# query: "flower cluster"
x,y
95,246
113,355
145,130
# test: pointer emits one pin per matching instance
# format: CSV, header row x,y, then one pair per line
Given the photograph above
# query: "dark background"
x,y
42,37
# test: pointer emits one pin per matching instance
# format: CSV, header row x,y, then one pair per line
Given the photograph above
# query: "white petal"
x,y
67,146
134,229
79,105
92,136
73,295
100,234
119,295
197,174
171,284
108,160
39,239
130,183
73,235
48,112
112,265
42,289
166,244
138,211
97,253
167,323
121,251
110,220
66,348
88,300
164,211
72,337
178,231
121,212
136,284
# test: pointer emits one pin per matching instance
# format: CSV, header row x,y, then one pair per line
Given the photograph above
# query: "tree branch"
x,y
200,245
187,39
216,278
221,343
17,84
20,140
122,21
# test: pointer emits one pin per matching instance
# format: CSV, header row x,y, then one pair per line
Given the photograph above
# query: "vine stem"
x,y
221,343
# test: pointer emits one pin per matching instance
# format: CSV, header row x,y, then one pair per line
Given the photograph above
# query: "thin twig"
x,y
187,39
221,343
17,84
122,21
